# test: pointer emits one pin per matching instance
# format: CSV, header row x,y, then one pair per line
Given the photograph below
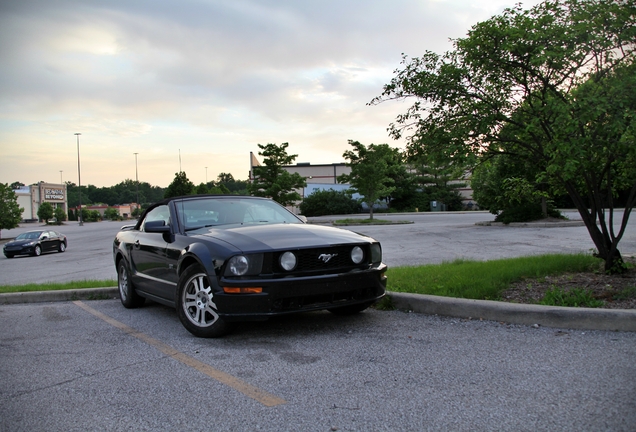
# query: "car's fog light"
x,y
357,255
238,265
288,261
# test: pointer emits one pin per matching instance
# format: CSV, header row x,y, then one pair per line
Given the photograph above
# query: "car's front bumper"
x,y
299,294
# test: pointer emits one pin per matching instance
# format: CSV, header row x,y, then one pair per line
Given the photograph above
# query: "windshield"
x,y
28,235
209,212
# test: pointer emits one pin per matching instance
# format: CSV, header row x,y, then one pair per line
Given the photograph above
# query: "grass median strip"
x,y
51,286
481,280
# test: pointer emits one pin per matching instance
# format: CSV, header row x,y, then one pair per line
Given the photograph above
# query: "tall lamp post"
x,y
137,179
79,180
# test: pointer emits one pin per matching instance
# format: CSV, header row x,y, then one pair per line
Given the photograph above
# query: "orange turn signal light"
x,y
242,290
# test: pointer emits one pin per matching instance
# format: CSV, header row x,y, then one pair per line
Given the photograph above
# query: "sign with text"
x,y
54,194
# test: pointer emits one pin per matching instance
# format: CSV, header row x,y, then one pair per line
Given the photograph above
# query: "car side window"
x,y
159,213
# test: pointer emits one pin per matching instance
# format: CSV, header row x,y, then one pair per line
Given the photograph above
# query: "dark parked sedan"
x,y
35,243
221,259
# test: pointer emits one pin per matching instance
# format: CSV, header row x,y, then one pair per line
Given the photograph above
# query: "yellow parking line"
x,y
255,393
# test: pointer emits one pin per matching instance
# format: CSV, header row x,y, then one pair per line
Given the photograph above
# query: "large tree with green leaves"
x,y
180,186
554,85
272,180
10,211
372,171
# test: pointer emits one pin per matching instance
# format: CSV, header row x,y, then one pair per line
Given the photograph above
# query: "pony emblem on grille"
x,y
326,257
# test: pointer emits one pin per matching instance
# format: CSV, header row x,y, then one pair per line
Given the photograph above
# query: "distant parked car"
x,y
35,243
220,259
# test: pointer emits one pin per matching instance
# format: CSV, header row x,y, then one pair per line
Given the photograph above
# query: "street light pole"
x,y
61,182
206,176
79,180
137,179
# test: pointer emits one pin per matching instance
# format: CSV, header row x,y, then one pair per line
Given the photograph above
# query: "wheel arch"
x,y
199,254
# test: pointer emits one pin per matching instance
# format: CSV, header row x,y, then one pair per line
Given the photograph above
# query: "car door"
x,y
46,241
148,256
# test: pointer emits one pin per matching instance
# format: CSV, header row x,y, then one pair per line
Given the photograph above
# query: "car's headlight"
x,y
30,243
244,265
288,261
376,253
357,255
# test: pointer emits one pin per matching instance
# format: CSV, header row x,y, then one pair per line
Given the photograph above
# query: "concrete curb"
x,y
559,224
61,295
548,316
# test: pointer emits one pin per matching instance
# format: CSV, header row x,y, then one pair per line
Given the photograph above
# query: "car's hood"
x,y
284,236
20,242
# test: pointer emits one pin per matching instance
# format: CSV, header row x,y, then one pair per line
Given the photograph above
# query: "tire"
x,y
195,305
351,309
37,250
127,294
62,247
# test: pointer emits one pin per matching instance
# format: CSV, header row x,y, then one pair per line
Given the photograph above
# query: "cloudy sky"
x,y
199,83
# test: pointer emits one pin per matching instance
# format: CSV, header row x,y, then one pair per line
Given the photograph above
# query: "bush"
x,y
329,202
525,213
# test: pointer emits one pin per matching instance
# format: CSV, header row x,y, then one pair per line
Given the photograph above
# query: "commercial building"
x,y
30,198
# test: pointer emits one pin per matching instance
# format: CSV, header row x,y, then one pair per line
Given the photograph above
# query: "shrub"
x,y
329,202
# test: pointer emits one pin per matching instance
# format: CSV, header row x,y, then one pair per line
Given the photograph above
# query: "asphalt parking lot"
x,y
93,365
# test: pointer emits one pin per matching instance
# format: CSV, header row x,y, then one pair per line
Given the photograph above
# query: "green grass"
x,y
574,298
461,278
482,280
58,286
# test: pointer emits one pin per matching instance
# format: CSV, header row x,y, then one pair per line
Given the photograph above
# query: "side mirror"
x,y
302,218
158,226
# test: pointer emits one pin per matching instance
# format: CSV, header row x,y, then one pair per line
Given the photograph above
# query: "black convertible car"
x,y
222,258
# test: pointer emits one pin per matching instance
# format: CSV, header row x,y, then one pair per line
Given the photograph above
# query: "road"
x,y
94,365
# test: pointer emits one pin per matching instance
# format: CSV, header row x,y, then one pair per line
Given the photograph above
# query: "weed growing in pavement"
x,y
573,298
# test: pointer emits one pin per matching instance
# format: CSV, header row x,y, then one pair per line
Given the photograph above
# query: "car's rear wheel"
x,y
127,294
195,305
61,247
37,250
351,309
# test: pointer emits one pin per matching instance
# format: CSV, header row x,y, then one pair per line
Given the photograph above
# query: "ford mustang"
x,y
219,259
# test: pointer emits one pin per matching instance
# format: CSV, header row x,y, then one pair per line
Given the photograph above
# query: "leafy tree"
x,y
370,171
329,202
505,187
45,212
16,185
60,215
10,211
555,86
111,213
201,189
137,212
271,180
180,186
235,187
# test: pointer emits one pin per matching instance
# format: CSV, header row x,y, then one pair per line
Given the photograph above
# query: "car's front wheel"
x,y
61,247
37,250
127,294
195,305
